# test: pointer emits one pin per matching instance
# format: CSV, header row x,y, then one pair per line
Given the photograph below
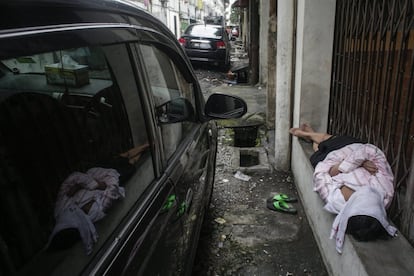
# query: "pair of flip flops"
x,y
280,203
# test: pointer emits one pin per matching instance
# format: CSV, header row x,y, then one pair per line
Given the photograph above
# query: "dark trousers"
x,y
331,144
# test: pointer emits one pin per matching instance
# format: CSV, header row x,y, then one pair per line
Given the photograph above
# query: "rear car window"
x,y
205,31
74,154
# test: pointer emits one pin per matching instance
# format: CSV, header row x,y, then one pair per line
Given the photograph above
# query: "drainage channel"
x,y
245,135
249,159
248,155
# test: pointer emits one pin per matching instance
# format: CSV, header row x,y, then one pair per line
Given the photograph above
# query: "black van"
x,y
107,146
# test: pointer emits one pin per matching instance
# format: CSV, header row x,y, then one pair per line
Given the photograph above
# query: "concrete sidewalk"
x,y
255,96
242,236
256,229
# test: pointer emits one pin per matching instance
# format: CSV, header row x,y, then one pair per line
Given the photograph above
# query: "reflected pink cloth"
x,y
98,186
90,191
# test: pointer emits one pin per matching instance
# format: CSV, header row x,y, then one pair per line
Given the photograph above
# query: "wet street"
x,y
241,236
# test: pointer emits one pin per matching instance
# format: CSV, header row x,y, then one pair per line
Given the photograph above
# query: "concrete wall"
x,y
312,60
315,26
284,73
271,68
302,95
313,56
245,29
263,43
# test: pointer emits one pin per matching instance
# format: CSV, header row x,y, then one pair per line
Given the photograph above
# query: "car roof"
x,y
28,15
18,14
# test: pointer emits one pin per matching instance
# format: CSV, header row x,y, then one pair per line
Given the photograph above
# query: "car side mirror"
x,y
174,111
223,106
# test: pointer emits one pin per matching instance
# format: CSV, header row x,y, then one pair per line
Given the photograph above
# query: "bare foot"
x,y
306,127
299,132
293,131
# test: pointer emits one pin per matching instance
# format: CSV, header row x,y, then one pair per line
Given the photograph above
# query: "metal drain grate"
x,y
249,158
245,136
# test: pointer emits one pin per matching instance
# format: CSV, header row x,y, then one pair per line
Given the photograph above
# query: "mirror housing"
x,y
223,106
175,111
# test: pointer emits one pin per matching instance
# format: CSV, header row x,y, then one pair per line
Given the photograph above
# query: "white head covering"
x,y
73,217
365,201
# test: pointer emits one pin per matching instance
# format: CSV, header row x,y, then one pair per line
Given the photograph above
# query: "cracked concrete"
x,y
259,152
241,236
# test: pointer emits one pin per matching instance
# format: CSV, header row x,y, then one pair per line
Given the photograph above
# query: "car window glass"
x,y
75,155
205,31
167,83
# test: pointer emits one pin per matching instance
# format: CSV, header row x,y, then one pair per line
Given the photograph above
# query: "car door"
x,y
151,233
188,147
89,110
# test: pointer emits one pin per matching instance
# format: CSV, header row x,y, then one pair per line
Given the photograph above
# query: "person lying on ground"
x,y
354,180
344,164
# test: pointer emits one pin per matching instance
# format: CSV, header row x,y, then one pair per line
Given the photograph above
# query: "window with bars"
x,y
372,95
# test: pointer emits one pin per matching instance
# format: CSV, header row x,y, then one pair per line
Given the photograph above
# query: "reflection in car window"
x,y
74,58
167,83
75,155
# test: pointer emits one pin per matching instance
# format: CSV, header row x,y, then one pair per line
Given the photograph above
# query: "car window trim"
x,y
183,145
188,74
12,33
147,102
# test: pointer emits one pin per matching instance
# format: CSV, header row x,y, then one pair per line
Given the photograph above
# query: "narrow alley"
x,y
241,236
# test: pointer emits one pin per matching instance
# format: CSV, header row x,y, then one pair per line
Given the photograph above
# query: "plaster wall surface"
x,y
263,36
283,83
313,61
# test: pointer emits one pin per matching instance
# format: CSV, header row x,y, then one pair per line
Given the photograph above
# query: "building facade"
x,y
178,14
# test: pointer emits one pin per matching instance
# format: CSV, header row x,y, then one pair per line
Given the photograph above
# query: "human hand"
x,y
334,170
370,166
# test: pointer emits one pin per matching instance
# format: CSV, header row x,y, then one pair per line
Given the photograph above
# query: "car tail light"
x,y
220,45
182,41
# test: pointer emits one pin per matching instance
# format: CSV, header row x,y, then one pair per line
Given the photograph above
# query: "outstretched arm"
x,y
367,156
370,166
374,161
135,153
334,170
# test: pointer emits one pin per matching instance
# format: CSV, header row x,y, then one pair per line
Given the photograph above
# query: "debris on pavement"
x,y
220,220
242,176
240,235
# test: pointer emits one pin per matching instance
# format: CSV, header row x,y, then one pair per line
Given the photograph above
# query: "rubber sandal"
x,y
283,197
281,206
